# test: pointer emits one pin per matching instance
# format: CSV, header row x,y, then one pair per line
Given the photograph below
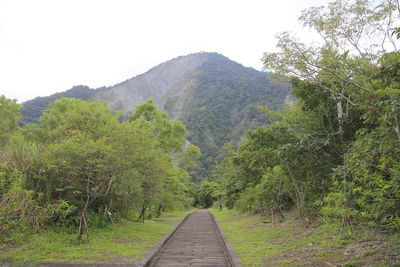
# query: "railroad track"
x,y
196,241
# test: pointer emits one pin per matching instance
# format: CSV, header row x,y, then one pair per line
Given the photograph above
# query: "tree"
x,y
207,192
10,116
354,35
81,153
351,74
174,156
366,187
168,133
81,162
384,107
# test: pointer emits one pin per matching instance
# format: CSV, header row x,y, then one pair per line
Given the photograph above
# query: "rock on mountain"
x,y
168,80
214,96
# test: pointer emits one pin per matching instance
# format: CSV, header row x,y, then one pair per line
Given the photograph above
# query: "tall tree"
x,y
169,137
354,35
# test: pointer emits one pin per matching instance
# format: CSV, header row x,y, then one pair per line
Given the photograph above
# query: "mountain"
x,y
214,96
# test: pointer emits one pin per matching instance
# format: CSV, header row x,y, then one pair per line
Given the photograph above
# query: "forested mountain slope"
x,y
34,108
214,96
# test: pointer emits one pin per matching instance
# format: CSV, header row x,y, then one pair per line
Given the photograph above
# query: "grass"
x,y
258,242
124,242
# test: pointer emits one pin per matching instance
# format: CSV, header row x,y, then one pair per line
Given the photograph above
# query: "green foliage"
x,y
337,149
272,191
9,118
169,138
34,108
81,163
207,192
20,207
169,134
286,163
222,106
335,206
396,32
369,183
366,186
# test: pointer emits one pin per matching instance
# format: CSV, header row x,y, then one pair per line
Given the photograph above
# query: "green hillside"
x,y
222,106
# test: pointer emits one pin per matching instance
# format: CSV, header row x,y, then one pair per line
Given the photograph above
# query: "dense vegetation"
x,y
33,109
335,153
222,106
80,166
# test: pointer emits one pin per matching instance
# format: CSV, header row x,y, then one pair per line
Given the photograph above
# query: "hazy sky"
x,y
48,46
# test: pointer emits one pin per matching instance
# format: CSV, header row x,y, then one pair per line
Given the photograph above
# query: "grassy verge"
x,y
290,243
124,242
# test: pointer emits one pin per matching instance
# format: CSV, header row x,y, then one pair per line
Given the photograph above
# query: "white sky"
x,y
48,46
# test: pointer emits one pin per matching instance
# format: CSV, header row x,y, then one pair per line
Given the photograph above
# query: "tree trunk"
x,y
279,206
86,228
280,213
272,216
83,225
340,118
82,221
142,213
299,193
159,209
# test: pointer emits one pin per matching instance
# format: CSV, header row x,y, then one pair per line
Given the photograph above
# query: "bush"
x,y
367,186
